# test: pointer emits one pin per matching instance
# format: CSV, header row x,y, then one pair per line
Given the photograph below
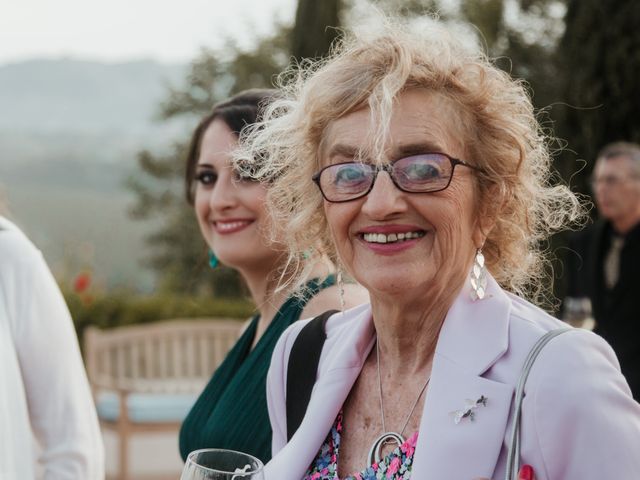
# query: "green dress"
x,y
231,412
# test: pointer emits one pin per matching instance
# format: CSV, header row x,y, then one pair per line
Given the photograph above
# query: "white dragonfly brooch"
x,y
469,410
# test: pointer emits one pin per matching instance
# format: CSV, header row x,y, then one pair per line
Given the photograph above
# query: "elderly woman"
x,y
422,169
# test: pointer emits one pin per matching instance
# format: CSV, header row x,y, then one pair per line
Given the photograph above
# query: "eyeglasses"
x,y
427,172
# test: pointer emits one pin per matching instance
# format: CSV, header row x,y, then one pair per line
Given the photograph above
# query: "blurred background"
x,y
98,100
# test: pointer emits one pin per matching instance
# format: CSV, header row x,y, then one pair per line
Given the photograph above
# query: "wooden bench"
x,y
146,377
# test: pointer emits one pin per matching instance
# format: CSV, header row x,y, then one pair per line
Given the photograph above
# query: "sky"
x,y
120,30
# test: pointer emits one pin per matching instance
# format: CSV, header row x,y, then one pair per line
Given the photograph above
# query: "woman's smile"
x,y
231,225
390,239
231,211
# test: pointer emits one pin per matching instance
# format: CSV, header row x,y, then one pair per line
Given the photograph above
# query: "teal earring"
x,y
213,260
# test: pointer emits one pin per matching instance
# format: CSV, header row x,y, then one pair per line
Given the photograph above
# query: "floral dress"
x,y
395,466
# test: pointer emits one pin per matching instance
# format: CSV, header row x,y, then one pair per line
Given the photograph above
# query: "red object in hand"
x,y
82,282
526,473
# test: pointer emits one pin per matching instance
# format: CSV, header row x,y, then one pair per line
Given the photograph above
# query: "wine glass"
x,y
221,464
578,312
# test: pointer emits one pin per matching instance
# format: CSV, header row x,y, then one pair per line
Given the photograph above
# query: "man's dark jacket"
x,y
616,311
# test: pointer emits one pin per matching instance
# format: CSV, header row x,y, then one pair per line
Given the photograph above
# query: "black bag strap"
x,y
303,369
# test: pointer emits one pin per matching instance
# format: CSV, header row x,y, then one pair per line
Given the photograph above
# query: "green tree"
x,y
315,27
523,42
600,51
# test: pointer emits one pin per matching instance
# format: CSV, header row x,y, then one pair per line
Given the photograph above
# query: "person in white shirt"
x,y
44,391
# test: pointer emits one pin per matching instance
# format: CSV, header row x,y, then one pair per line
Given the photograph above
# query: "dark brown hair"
x,y
237,112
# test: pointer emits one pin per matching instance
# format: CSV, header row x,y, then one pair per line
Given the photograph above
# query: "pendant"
x,y
375,452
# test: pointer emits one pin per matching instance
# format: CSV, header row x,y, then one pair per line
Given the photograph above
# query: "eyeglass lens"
x,y
416,174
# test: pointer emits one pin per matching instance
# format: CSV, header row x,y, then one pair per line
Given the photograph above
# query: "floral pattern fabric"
x,y
395,466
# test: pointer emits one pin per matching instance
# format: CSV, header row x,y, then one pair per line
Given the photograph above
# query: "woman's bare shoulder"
x,y
329,298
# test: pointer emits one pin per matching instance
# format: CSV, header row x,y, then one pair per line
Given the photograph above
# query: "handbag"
x,y
513,455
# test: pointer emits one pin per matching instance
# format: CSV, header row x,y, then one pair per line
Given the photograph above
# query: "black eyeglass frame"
x,y
388,167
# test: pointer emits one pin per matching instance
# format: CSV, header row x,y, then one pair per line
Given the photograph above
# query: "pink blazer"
x,y
579,421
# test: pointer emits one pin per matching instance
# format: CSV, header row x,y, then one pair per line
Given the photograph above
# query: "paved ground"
x,y
152,456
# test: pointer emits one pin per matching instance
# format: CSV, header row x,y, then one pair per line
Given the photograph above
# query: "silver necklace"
x,y
375,453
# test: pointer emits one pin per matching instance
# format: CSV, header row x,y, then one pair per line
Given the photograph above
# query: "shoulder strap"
x,y
513,455
302,369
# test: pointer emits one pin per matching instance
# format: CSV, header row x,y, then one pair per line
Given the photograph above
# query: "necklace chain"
x,y
384,428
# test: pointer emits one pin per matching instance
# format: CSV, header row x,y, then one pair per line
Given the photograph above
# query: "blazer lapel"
x,y
469,449
473,337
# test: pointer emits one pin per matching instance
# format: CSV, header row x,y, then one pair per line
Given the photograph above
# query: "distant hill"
x,y
83,96
69,134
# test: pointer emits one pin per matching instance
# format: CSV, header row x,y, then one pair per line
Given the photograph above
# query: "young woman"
x,y
232,411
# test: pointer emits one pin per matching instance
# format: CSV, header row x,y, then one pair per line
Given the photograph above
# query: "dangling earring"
x,y
213,260
478,277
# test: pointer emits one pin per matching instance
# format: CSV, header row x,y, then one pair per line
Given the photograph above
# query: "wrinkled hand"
x,y
525,473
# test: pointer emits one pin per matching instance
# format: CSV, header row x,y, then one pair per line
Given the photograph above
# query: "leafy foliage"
x,y
115,310
601,51
315,27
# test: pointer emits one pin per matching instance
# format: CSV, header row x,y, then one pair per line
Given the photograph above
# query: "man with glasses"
x,y
607,269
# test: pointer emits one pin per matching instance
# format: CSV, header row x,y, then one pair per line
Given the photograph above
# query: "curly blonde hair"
x,y
370,69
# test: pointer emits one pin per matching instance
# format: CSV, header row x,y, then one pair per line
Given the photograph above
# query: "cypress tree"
x,y
600,53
